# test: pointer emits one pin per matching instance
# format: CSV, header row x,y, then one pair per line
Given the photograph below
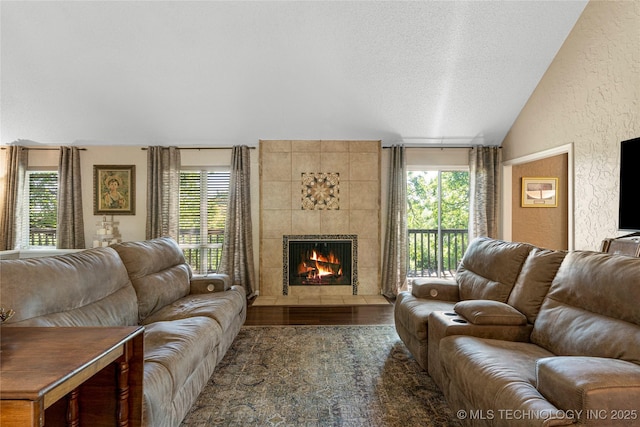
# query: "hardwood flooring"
x,y
320,315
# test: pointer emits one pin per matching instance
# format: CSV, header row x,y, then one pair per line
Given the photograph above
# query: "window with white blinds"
x,y
204,196
42,198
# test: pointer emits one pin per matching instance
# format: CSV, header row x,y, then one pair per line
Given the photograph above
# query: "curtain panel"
x,y
70,220
237,249
163,192
394,265
484,164
17,161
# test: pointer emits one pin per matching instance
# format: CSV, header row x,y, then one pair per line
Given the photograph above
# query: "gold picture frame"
x,y
539,192
114,189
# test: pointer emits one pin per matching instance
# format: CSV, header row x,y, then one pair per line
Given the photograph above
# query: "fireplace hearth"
x,y
319,260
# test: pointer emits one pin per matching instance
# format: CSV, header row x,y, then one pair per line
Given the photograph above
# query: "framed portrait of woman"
x,y
114,189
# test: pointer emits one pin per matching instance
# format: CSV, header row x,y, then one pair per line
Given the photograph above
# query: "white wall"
x,y
132,227
589,96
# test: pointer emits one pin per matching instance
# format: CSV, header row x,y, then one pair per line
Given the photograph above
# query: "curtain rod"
x,y
441,146
41,149
201,148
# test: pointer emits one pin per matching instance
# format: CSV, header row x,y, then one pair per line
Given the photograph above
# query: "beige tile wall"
x,y
281,166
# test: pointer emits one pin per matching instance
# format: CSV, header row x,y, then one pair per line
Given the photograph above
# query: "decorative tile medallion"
x,y
320,191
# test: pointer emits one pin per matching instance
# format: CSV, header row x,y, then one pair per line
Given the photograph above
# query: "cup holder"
x,y
459,320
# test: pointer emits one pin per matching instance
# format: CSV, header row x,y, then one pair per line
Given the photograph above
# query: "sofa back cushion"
x,y
158,271
592,308
534,280
87,288
489,268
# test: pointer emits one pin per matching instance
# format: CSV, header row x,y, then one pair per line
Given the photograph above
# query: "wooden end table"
x,y
71,376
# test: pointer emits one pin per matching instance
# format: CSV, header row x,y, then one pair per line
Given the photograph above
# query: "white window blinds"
x,y
42,199
204,197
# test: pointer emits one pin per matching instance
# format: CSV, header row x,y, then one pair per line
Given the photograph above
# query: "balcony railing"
x,y
42,237
423,249
205,257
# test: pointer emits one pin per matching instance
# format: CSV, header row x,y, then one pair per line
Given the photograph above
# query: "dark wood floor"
x,y
320,315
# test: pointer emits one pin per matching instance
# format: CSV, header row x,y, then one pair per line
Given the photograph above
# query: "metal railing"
x,y
42,237
204,258
424,247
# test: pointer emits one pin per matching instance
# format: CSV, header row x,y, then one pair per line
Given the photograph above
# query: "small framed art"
x,y
114,189
539,192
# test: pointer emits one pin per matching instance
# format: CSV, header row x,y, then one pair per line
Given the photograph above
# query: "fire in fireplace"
x,y
319,260
320,263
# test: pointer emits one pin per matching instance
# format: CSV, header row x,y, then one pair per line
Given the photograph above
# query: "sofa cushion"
x,y
534,281
87,288
150,256
592,308
157,290
158,271
489,268
488,312
179,346
223,307
494,375
174,352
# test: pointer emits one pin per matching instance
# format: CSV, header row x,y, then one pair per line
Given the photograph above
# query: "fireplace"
x,y
320,260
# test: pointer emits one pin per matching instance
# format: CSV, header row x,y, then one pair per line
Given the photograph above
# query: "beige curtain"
x,y
163,192
15,171
394,265
484,164
237,249
70,219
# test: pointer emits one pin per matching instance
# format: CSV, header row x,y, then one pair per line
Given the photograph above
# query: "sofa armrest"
x,y
489,312
436,289
210,283
598,390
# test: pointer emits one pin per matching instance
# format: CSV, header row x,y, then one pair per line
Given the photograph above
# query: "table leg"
x,y
73,409
122,373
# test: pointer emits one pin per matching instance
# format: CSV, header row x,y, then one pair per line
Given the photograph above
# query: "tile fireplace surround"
x,y
319,188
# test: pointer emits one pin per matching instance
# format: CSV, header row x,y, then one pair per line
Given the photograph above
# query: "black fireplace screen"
x,y
320,262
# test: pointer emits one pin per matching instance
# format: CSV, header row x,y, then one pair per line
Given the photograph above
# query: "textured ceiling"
x,y
222,73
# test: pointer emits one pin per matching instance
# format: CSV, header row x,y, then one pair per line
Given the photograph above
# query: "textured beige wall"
x,y
589,96
281,166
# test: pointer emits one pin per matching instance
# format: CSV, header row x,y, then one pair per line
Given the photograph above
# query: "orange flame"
x,y
322,271
317,270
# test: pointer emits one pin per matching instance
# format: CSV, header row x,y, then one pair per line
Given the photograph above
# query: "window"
x,y
438,221
204,195
42,199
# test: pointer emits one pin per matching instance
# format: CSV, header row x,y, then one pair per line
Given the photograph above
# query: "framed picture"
x,y
114,189
539,192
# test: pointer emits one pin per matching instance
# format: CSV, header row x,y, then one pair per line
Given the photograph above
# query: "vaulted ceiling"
x,y
222,73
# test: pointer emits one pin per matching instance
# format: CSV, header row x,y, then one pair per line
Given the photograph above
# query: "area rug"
x,y
320,376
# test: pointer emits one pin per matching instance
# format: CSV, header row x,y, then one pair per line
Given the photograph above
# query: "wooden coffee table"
x,y
71,376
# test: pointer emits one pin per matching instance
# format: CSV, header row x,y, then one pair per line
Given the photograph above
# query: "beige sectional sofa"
x,y
190,322
560,345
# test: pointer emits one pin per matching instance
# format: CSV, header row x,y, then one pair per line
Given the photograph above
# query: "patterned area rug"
x,y
320,376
